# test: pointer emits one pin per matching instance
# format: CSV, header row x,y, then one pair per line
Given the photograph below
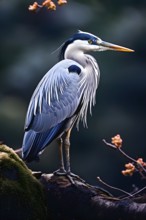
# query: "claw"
x,y
70,179
70,176
60,172
77,177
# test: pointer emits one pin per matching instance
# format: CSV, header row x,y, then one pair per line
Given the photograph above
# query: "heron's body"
x,y
63,96
55,107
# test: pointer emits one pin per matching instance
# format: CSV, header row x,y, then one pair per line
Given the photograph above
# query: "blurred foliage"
x,y
27,41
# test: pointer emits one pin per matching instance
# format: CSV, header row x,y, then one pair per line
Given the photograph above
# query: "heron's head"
x,y
84,42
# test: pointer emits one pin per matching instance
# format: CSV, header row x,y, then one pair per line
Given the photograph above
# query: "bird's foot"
x,y
70,176
60,172
73,177
76,177
63,172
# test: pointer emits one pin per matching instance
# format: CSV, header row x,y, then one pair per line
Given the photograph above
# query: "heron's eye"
x,y
90,41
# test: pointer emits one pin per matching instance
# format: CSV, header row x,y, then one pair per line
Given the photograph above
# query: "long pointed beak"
x,y
115,47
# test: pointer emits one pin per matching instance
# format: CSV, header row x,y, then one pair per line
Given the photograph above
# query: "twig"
x,y
19,150
110,145
135,193
126,155
138,164
112,187
122,152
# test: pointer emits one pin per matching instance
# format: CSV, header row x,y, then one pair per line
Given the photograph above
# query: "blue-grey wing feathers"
x,y
34,143
54,101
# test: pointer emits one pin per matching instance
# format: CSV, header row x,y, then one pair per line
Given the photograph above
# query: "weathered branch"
x,y
22,196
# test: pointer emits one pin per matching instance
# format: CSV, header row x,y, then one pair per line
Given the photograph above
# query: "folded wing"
x,y
53,103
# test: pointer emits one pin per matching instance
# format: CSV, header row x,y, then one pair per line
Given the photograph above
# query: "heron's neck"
x,y
89,78
76,55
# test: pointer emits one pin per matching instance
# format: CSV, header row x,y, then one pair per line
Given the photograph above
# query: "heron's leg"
x,y
67,154
61,170
60,142
67,150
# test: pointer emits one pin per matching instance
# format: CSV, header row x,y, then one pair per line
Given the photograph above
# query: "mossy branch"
x,y
22,196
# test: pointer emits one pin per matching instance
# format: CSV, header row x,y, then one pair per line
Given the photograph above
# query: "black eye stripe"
x,y
74,69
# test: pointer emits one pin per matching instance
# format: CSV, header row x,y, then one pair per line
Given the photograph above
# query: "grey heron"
x,y
63,96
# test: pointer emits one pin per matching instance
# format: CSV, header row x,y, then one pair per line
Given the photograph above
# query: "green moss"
x,y
11,154
19,189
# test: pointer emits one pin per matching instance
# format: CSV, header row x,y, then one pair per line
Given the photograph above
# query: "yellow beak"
x,y
115,47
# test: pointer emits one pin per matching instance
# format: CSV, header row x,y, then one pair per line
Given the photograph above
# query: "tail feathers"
x,y
34,143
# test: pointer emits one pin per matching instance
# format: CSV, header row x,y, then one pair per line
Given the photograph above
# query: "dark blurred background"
x,y
27,41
